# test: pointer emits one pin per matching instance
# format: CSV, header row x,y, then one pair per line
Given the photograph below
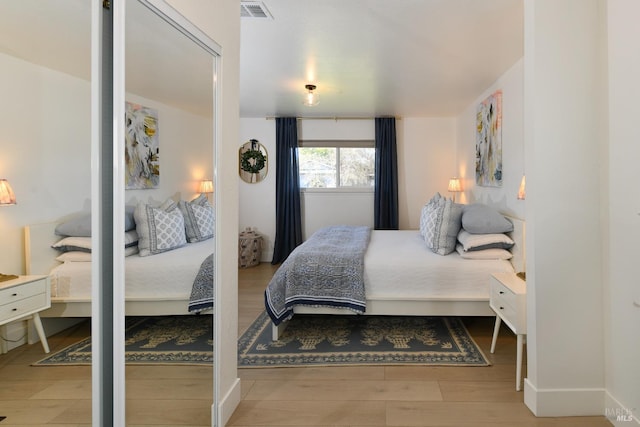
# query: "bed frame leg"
x,y
277,330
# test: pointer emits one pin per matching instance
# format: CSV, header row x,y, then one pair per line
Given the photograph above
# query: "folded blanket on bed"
x,y
326,270
202,291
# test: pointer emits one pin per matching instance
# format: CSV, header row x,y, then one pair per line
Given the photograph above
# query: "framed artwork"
x,y
142,147
489,141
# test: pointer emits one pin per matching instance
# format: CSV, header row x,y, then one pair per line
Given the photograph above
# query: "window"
x,y
336,164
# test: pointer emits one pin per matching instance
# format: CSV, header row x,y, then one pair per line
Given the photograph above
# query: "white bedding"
x,y
165,276
398,265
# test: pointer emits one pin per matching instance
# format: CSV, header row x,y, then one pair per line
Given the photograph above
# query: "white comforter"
x,y
165,276
398,265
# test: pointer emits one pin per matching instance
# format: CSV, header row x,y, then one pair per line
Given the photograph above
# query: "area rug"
x,y
346,340
166,340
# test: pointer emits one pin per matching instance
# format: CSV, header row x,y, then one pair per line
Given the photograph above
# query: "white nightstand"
x,y
508,299
21,298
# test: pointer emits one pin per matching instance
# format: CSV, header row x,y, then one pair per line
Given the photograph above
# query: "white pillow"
x,y
78,256
160,229
74,256
484,253
69,244
476,242
83,244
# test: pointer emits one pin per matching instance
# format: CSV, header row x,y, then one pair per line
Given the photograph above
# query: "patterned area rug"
x,y
331,340
167,340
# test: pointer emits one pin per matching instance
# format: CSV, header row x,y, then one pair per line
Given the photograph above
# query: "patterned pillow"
x,y
199,218
424,215
160,229
442,226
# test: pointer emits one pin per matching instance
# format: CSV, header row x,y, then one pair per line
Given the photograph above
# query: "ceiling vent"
x,y
254,9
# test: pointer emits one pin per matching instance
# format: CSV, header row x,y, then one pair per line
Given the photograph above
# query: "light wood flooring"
x,y
316,397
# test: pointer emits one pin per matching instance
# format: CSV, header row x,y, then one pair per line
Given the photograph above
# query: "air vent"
x,y
254,9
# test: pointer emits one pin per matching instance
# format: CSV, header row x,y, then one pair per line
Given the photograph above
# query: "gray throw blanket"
x,y
202,290
326,270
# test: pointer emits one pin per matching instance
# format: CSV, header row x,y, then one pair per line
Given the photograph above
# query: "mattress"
x,y
165,276
398,265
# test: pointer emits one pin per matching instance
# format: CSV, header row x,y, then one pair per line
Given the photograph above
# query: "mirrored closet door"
x,y
169,184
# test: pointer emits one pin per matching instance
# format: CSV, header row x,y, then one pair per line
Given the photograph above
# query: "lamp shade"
x,y
521,189
206,186
454,185
6,193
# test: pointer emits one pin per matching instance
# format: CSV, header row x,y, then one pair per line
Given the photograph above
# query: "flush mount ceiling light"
x,y
310,98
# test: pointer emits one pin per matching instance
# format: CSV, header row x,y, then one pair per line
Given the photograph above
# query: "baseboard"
x,y
564,402
618,415
267,256
228,403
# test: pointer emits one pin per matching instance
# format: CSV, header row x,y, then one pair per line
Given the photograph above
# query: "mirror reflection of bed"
x,y
182,95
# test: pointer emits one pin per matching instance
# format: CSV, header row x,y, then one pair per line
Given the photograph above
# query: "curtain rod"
x,y
333,118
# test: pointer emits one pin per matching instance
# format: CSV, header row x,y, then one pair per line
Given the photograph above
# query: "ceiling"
x,y
411,58
376,57
161,63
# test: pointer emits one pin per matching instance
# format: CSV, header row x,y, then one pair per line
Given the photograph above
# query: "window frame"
x,y
337,144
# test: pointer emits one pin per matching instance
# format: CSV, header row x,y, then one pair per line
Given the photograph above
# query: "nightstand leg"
x,y
43,338
519,360
496,329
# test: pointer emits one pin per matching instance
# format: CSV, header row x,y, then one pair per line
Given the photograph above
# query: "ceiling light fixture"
x,y
310,98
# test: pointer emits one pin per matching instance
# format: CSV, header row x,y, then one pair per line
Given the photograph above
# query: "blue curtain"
x,y
288,214
386,182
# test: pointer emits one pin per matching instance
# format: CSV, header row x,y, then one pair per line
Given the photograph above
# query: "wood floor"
x,y
317,397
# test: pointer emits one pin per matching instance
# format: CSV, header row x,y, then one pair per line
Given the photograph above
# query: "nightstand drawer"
x,y
507,312
16,309
500,292
16,293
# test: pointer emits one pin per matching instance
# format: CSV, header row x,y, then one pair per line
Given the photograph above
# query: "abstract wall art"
x,y
489,141
142,147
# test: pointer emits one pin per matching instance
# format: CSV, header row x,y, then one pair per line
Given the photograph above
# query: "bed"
x,y
403,277
178,281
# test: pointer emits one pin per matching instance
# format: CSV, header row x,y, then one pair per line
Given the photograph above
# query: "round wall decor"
x,y
253,161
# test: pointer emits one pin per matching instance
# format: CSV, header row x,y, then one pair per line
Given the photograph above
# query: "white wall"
x,y
257,207
426,162
503,198
45,150
564,110
622,316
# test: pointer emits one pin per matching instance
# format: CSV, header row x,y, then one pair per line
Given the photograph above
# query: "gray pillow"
x,y
80,226
483,219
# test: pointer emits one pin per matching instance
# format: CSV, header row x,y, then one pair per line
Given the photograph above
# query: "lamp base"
x,y
5,277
